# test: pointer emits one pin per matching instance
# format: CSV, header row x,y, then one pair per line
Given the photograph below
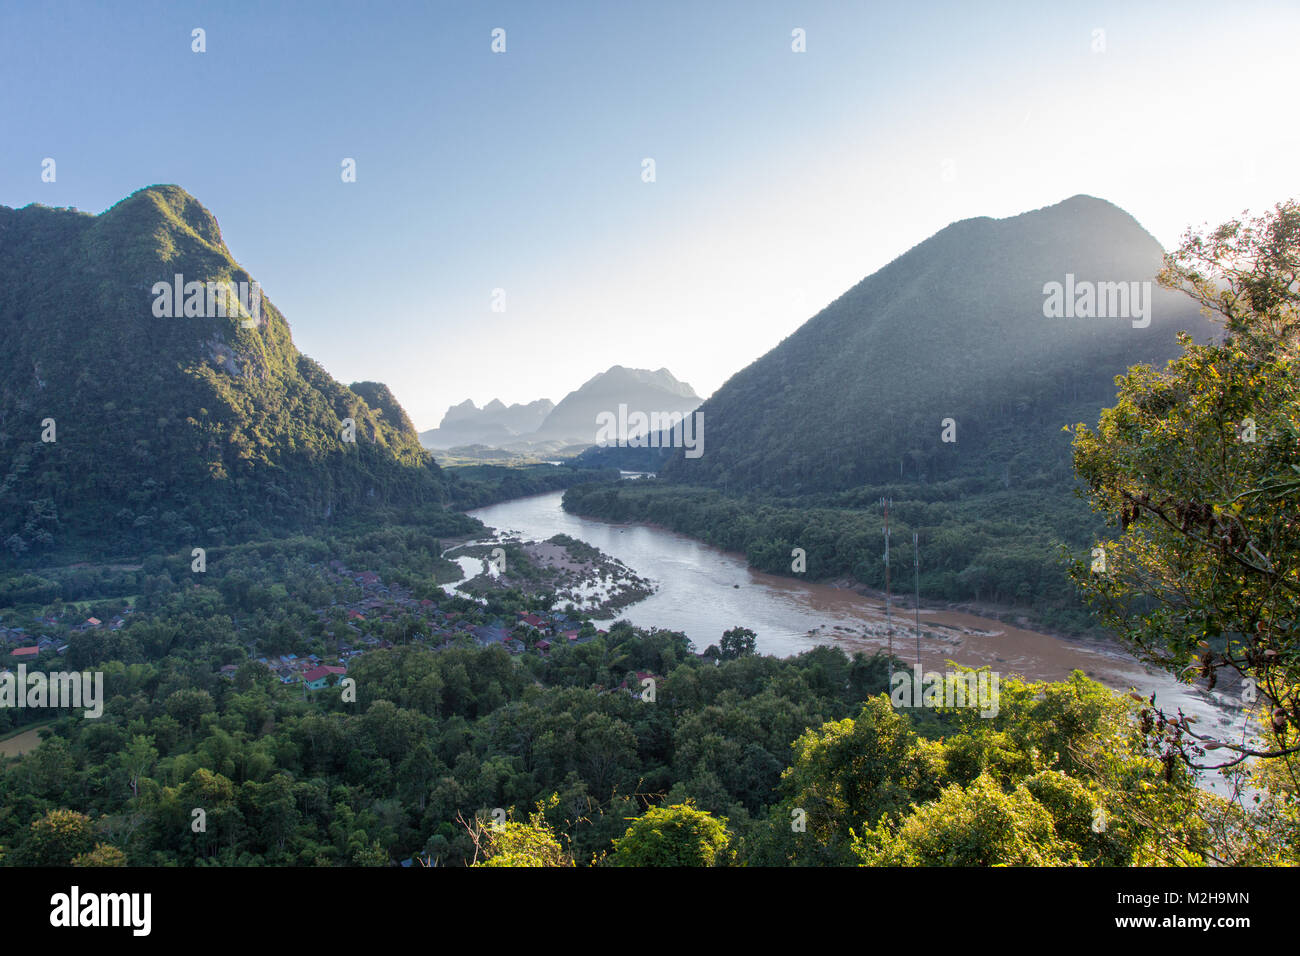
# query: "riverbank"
x,y
703,591
579,575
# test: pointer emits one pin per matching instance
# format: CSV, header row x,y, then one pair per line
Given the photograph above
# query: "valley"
x,y
702,591
346,650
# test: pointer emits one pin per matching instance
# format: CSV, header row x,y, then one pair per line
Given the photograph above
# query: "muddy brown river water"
x,y
703,591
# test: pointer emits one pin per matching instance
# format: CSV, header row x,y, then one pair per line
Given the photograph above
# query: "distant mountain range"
x,y
493,424
964,356
570,425
129,415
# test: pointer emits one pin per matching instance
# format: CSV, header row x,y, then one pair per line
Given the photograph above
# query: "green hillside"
x,y
954,328
169,430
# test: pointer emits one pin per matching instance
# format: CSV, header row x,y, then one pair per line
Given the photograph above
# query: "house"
x,y
93,622
489,633
25,653
318,677
532,620
570,635
543,646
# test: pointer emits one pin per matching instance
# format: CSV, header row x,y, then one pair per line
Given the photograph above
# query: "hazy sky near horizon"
x,y
781,178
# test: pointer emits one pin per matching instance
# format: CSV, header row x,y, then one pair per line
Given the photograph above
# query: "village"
x,y
486,607
18,645
363,619
461,622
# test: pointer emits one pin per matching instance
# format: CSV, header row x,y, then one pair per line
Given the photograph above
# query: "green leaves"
x,y
679,835
1202,461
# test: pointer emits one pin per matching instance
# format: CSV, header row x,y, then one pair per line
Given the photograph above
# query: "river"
x,y
703,591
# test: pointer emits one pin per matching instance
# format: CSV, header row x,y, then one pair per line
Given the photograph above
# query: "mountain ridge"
x,y
238,430
952,329
571,422
574,419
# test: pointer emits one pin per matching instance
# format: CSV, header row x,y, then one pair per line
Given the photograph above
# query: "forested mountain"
x,y
120,426
953,329
381,399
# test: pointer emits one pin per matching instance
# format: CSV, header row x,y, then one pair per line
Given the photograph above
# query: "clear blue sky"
x,y
782,177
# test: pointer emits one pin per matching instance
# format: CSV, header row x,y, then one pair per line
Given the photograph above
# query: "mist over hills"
x,y
494,423
952,329
167,429
574,419
573,422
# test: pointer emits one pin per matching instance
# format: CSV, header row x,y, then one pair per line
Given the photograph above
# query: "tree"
x,y
738,642
188,707
978,825
416,774
1198,467
514,843
102,855
848,773
138,759
57,838
679,835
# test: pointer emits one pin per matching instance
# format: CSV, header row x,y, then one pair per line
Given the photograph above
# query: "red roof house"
x,y
317,676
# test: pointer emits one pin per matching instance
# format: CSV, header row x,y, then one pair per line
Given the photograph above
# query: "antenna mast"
x,y
916,566
889,615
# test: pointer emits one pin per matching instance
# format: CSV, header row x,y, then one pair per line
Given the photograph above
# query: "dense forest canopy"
x,y
737,758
